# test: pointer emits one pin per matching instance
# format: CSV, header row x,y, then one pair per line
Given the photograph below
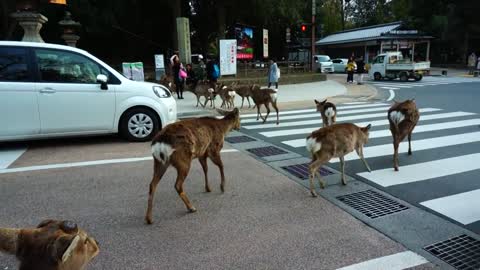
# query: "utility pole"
x,y
313,35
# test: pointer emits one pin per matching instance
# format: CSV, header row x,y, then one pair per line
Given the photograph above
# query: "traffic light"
x,y
303,28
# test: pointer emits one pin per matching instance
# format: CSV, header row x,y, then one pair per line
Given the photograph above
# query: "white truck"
x,y
391,65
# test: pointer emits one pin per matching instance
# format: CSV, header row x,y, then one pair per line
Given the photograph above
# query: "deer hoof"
x,y
207,189
314,194
344,182
148,220
192,210
396,169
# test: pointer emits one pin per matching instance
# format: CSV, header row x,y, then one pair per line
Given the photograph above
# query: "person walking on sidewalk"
x,y
350,70
273,74
472,60
360,69
179,76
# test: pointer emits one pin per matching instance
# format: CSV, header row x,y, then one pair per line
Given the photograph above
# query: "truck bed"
x,y
409,66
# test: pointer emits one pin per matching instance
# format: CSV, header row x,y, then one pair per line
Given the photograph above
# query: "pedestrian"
x,y
273,74
472,59
478,63
350,70
179,76
360,70
213,71
209,69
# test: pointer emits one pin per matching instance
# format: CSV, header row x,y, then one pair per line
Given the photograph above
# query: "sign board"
x,y
265,43
228,56
133,71
159,61
245,44
183,35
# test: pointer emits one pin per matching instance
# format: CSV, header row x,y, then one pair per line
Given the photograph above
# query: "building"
x,y
373,40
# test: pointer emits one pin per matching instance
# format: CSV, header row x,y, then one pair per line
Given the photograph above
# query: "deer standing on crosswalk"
x,y
335,141
403,117
328,111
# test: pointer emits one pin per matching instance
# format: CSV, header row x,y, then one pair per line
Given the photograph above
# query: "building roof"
x,y
359,34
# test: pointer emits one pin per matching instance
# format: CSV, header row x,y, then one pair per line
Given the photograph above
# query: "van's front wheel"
x,y
377,76
139,125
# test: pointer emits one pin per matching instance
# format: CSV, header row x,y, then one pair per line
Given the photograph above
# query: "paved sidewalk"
x,y
290,96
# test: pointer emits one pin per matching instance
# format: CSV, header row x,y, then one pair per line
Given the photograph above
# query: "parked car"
x,y
323,63
340,65
391,65
49,90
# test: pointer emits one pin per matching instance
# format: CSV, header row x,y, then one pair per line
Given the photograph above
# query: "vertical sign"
x,y
159,66
228,56
183,35
265,43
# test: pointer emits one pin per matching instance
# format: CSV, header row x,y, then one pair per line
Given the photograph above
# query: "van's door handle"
x,y
47,90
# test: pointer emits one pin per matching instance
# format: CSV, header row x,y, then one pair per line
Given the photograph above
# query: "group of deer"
x,y
337,140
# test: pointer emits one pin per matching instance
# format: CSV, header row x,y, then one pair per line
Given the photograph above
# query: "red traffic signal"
x,y
303,28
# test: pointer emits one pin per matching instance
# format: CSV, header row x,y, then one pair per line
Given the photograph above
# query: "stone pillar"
x,y
31,22
70,39
70,29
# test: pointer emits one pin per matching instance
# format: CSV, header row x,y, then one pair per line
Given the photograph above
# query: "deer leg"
x,y
410,143
360,154
159,170
182,172
313,168
198,100
395,153
268,112
274,105
342,166
217,160
260,114
243,99
203,162
205,103
248,102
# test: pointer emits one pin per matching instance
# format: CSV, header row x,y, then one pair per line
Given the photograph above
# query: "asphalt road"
x,y
447,183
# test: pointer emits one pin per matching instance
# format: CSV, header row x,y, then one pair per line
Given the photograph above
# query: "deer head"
x,y
233,115
52,245
365,131
320,105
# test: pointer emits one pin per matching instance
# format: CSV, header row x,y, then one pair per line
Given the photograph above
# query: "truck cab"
x,y
392,65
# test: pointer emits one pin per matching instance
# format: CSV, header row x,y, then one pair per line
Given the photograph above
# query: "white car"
x,y
340,65
49,90
324,63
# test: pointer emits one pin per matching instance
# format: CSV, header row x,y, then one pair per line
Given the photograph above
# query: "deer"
x,y
52,245
203,89
244,91
335,141
179,143
328,111
403,117
265,97
167,81
227,94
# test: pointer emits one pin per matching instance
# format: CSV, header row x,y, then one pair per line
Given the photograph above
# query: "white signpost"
x,y
228,57
159,66
265,43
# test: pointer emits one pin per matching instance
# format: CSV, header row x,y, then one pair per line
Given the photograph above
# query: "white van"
x,y
49,90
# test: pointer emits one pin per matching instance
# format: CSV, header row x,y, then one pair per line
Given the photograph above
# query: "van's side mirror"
x,y
102,80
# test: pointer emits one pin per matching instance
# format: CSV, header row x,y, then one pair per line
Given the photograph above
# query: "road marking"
x,y
462,207
319,121
392,95
314,110
8,156
424,171
398,261
354,103
418,145
393,85
317,114
376,133
86,163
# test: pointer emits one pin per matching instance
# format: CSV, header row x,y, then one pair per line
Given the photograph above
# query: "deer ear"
x,y
368,127
323,102
45,223
64,247
316,101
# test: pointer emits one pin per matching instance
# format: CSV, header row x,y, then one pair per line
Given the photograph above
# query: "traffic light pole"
x,y
312,52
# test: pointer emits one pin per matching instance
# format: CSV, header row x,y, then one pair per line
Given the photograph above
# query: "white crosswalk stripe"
x,y
426,81
440,130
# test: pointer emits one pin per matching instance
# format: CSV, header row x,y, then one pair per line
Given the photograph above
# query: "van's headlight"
x,y
161,92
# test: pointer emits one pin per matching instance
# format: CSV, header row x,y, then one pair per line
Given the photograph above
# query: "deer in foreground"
x,y
203,89
335,141
403,117
53,245
179,143
328,111
264,96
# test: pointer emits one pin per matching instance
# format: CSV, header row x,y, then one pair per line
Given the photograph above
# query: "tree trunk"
x,y
177,12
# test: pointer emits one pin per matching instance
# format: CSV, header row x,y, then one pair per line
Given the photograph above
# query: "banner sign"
x,y
228,57
265,43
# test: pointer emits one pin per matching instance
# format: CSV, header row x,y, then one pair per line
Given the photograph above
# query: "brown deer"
x,y
244,91
179,143
264,96
203,89
53,245
227,94
335,141
328,111
403,117
168,82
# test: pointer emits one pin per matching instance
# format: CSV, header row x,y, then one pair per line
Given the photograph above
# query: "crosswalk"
x,y
426,81
443,171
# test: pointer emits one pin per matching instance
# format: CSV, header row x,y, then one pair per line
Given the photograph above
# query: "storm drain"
x,y
461,252
239,139
372,204
267,151
301,170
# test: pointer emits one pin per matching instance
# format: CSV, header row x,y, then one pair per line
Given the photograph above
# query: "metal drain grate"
x,y
301,170
461,252
372,204
267,151
239,139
